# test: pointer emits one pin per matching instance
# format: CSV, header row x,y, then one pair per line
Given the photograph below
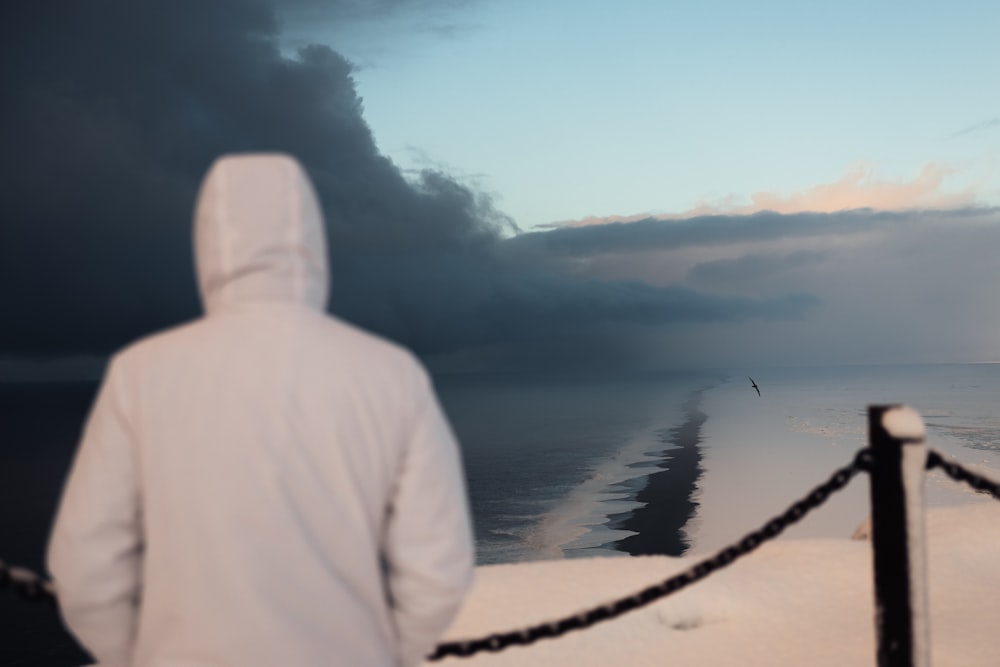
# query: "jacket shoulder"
x,y
156,342
357,345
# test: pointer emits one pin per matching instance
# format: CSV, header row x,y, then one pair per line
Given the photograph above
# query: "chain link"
x,y
960,474
26,583
722,558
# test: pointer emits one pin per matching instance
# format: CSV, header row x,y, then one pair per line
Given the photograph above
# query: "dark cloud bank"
x,y
114,109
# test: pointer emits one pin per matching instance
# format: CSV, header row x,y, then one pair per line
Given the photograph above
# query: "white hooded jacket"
x,y
266,486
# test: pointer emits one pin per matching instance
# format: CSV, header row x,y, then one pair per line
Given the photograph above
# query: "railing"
x,y
895,460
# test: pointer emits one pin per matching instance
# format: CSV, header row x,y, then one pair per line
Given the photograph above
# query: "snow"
x,y
903,423
791,602
906,425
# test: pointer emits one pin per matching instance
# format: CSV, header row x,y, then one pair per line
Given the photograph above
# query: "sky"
x,y
520,185
568,110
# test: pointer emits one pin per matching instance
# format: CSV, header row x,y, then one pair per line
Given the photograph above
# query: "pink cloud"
x,y
856,189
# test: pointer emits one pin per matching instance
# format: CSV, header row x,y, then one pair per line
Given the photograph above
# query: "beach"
x,y
667,500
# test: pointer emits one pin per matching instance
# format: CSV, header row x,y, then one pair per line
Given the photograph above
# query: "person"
x,y
267,485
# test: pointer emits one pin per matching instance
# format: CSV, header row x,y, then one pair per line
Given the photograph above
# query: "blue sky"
x,y
565,110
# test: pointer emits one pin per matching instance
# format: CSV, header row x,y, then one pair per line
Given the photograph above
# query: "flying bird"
x,y
754,385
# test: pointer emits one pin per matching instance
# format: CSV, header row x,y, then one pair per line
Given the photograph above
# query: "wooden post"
x,y
899,455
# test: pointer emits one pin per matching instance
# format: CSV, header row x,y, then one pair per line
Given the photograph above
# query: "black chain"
x,y
26,583
955,470
722,558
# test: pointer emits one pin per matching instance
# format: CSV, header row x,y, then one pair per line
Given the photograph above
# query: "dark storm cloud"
x,y
432,16
713,230
484,309
114,109
752,267
667,234
360,9
340,9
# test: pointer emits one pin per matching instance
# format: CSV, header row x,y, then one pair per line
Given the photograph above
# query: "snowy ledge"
x,y
791,602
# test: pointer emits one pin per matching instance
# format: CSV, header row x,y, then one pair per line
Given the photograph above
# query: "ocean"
x,y
563,466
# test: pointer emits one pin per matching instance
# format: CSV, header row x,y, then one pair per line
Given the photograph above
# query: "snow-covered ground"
x,y
791,602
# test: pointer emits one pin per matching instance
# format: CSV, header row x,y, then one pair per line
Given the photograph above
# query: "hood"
x,y
259,234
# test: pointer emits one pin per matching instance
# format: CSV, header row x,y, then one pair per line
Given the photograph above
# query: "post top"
x,y
903,423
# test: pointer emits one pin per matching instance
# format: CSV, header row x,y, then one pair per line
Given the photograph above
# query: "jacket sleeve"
x,y
429,552
95,550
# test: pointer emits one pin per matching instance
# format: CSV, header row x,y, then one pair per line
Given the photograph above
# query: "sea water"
x,y
549,458
762,454
554,464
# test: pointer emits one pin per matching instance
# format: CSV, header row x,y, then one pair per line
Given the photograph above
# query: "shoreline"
x,y
667,496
